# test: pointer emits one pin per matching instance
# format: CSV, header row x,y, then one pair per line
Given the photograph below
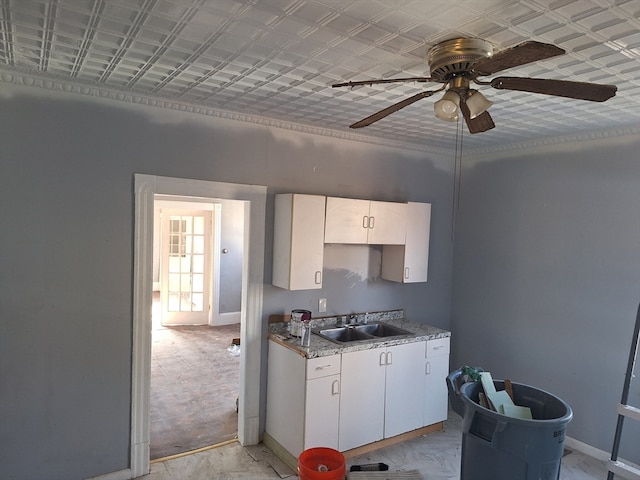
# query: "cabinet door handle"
x,y
383,359
335,387
365,222
406,273
318,278
389,358
372,222
427,368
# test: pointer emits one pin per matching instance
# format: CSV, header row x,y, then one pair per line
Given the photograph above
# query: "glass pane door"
x,y
186,268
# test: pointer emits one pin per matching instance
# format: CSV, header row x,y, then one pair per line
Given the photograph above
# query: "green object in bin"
x,y
472,373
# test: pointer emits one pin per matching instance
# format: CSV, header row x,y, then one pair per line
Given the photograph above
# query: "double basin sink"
x,y
361,332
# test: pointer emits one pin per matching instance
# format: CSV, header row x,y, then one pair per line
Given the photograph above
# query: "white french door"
x,y
185,265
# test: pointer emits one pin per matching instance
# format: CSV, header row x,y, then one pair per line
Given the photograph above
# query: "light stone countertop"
x,y
320,347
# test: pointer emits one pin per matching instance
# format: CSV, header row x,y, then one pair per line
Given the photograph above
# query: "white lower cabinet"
x,y
362,398
303,399
404,390
436,369
382,392
322,402
348,400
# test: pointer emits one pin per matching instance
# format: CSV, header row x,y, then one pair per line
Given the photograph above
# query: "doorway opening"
x,y
146,187
195,364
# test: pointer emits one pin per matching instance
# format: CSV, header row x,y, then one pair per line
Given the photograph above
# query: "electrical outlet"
x,y
322,305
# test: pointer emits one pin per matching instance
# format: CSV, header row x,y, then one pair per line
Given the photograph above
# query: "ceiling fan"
x,y
457,62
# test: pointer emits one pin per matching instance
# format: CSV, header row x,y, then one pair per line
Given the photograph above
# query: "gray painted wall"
x,y
231,239
66,213
547,277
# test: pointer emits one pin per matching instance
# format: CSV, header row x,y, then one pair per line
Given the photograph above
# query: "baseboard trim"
x,y
226,319
119,475
587,449
280,452
386,442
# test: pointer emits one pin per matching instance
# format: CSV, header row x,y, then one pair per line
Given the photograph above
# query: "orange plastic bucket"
x,y
321,464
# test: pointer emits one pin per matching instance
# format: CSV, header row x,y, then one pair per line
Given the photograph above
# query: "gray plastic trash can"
x,y
498,447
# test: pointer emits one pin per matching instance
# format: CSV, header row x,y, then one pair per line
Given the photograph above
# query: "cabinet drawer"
x,y
323,366
439,346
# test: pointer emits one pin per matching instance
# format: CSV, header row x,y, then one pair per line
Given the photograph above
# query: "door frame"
x,y
145,189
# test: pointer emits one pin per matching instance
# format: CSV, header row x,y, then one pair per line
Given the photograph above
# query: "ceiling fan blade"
x,y
593,92
393,108
521,54
386,80
479,124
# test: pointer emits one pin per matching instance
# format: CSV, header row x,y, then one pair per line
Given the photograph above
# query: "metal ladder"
x,y
614,466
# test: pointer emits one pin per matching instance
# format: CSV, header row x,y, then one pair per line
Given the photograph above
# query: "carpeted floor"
x,y
194,386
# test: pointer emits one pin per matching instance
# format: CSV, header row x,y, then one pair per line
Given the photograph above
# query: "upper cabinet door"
x,y
298,241
409,263
417,247
346,220
387,223
365,222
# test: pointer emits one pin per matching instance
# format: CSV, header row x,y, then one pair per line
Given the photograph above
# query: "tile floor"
x,y
435,456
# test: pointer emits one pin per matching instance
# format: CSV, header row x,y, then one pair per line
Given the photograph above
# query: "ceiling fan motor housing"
x,y
456,57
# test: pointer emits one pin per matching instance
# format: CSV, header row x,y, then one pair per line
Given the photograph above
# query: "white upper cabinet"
x,y
409,263
351,220
298,241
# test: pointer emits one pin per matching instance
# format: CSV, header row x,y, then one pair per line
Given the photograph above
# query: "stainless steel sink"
x,y
356,333
382,330
344,334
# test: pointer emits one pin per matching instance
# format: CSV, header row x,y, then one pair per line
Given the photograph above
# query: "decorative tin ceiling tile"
x,y
279,58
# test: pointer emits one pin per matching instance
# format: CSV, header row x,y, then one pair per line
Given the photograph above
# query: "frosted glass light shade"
x,y
477,103
447,107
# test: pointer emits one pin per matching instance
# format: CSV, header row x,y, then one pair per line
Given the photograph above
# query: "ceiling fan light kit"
x,y
447,107
477,103
457,62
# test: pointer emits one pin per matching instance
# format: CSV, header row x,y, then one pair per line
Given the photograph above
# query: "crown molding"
x,y
579,138
56,84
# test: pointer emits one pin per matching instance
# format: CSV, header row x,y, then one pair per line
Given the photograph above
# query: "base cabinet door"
x,y
322,411
362,398
436,369
404,390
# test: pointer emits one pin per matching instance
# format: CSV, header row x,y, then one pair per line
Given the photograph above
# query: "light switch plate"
x,y
322,305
